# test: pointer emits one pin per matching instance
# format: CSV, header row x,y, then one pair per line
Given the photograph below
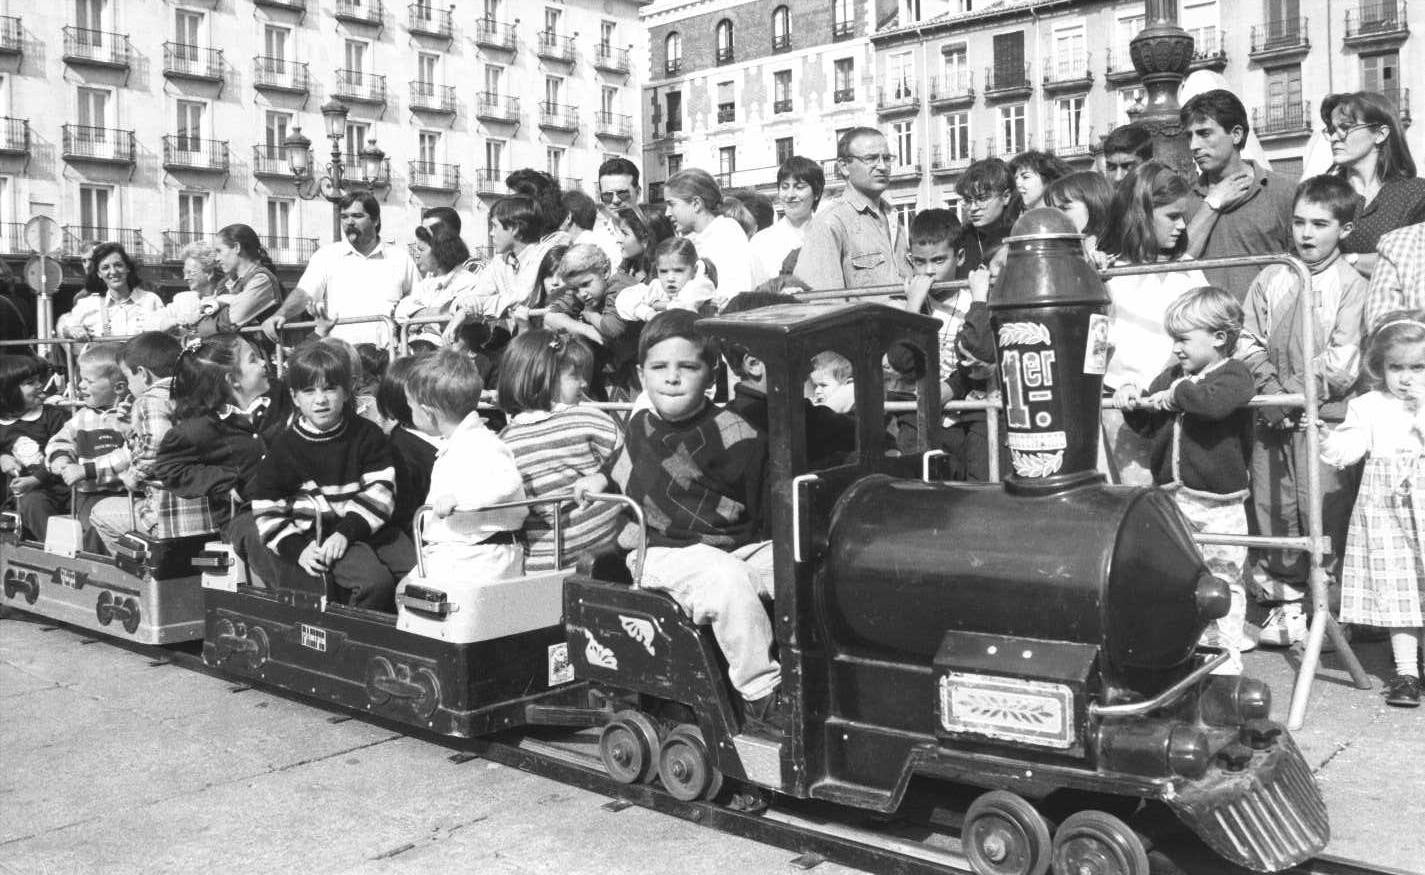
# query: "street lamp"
x,y
332,184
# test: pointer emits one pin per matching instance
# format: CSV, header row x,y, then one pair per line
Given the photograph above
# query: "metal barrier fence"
x,y
1313,543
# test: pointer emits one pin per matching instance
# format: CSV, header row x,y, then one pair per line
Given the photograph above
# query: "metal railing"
x,y
495,107
192,62
610,59
841,30
554,46
1377,18
945,158
359,11
425,19
1072,69
433,176
781,42
490,181
1279,35
12,35
952,86
724,55
494,34
898,95
174,243
280,74
77,236
358,85
431,97
181,151
612,124
101,47
86,143
285,249
672,66
1007,77
271,161
1282,119
843,95
289,5
726,113
14,135
12,239
1207,44
781,106
558,116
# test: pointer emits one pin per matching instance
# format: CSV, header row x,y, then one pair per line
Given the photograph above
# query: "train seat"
x,y
464,610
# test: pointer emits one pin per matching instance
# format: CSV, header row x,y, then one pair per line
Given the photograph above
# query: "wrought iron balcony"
x,y
1007,81
1282,120
903,96
558,116
174,242
98,48
782,42
610,59
280,74
359,11
14,136
953,89
78,237
492,34
429,97
554,47
1209,49
672,66
490,182
360,87
842,30
183,61
947,160
1400,99
431,176
102,145
908,165
724,54
12,37
497,108
1279,39
1073,73
288,250
182,152
781,106
1376,22
1070,148
426,20
272,162
613,125
289,5
726,113
12,239
570,183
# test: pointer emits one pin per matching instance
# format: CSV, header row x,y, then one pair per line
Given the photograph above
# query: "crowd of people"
x,y
315,473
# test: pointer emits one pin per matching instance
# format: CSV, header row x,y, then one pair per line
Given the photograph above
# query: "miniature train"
x,y
900,619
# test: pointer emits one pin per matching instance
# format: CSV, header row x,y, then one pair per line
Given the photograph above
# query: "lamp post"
x,y
1162,53
333,183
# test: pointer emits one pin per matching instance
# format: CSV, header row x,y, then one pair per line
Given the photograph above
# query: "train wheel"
x,y
131,617
104,608
629,748
1005,835
1097,843
685,767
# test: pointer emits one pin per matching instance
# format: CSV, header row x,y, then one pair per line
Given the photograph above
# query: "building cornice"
x,y
951,22
669,11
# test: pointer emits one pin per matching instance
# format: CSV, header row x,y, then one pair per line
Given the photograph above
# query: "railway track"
x,y
924,842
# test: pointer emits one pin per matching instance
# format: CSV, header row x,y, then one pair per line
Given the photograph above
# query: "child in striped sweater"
x,y
334,465
90,452
558,444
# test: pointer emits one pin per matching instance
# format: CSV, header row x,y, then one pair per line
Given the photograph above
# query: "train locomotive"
x,y
1024,638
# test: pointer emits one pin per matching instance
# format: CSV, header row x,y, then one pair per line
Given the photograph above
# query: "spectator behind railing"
x,y
123,308
800,182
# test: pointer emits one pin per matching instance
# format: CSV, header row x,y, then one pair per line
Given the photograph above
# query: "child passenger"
x,y
1383,577
1322,217
558,445
89,452
832,380
697,471
472,469
412,450
1196,416
26,426
332,465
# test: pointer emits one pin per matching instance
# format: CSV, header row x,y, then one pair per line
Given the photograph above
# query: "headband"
x,y
1416,322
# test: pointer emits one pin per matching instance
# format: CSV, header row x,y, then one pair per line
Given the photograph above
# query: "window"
x,y
94,212
553,88
900,73
492,10
724,41
726,103
784,149
674,101
89,14
1070,58
94,109
956,69
494,157
355,61
845,78
726,165
903,143
675,163
551,20
673,53
279,223
1381,74
428,148
1283,99
1283,23
554,161
190,214
422,10
782,91
842,26
1128,28
1069,132
1011,129
781,29
274,42
608,100
493,76
957,136
190,126
1008,70
355,138
426,66
186,26
606,37
904,214
1130,102
277,125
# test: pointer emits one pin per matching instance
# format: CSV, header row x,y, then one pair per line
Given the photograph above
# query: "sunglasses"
x,y
622,194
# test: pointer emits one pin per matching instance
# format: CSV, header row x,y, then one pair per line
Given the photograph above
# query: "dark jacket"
x,y
1216,427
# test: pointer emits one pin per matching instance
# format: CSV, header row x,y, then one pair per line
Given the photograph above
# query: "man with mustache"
x,y
358,275
856,242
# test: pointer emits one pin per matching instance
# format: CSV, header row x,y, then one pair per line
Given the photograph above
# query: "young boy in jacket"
x,y
90,451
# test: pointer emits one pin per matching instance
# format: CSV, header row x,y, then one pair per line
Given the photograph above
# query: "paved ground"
x,y
111,764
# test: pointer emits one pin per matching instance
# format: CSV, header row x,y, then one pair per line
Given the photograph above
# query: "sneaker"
x,y
1284,626
764,716
1403,691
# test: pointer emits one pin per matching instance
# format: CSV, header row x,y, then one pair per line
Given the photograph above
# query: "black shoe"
x,y
1403,691
764,716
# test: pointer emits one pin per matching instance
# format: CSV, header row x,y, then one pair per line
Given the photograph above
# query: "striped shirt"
x,y
553,449
95,440
344,475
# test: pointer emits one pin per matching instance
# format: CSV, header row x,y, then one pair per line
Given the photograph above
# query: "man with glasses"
x,y
1236,207
856,241
618,184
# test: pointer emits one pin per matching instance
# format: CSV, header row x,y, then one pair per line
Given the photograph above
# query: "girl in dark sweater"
x,y
26,425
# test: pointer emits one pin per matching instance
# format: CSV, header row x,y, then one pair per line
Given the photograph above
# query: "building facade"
x,y
960,80
736,87
156,123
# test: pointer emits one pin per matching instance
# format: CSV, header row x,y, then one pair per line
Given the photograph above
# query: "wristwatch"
x,y
1213,203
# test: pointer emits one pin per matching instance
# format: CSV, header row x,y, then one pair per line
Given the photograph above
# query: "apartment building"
x,y
960,80
735,88
155,123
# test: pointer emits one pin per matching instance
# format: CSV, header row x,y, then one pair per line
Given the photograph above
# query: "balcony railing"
x,y
958,87
1282,120
570,183
1118,68
672,66
272,162
184,61
425,19
554,47
182,152
842,30
280,74
492,34
558,116
843,95
1278,37
107,145
899,96
1007,80
610,59
12,37
497,108
1070,147
490,182
429,97
781,106
359,11
360,86
174,242
431,176
14,136
782,42
612,124
945,159
1209,49
1063,74
289,5
78,237
12,239
288,250
1377,21
724,54
96,47
726,113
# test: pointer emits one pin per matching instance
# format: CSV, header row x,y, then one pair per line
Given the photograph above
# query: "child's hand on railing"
x,y
1128,397
72,474
22,484
131,479
333,548
311,560
589,484
443,506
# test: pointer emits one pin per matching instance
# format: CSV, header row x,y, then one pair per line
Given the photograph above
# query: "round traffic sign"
x,y
43,274
42,235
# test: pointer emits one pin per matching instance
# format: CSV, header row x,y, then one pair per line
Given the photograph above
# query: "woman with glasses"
x,y
990,205
1369,150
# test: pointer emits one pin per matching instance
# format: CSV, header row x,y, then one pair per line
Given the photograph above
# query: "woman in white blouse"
x,y
124,308
800,182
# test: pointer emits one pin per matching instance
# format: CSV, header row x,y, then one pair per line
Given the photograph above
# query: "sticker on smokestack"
x,y
1096,355
1036,442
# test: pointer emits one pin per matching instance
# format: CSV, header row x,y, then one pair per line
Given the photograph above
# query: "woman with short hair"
x,y
800,183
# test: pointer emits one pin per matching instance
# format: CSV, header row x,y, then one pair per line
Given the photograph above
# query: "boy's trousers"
x,y
1280,502
1221,515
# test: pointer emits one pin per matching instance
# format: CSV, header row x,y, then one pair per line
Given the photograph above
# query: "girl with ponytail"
x,y
253,291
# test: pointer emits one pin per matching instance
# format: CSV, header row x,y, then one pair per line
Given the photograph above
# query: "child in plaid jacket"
x,y
90,452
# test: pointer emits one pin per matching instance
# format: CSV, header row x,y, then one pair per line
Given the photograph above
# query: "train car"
x,y
1036,640
147,592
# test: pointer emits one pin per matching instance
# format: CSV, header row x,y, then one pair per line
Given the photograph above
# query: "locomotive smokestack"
x,y
1049,310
